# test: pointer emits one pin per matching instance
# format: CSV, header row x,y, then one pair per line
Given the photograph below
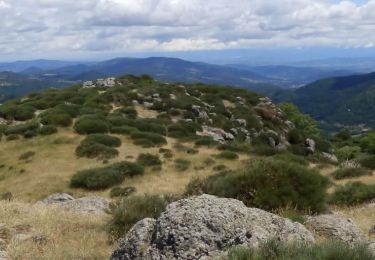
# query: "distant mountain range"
x,y
346,100
38,74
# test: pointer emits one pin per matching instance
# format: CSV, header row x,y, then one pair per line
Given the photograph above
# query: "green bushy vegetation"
x,y
96,150
353,193
56,117
289,157
127,212
368,162
48,130
147,159
276,250
269,184
344,173
105,177
103,139
91,125
21,129
99,146
152,139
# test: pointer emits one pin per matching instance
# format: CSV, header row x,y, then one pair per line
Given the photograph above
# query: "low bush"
x,y
155,139
289,157
102,178
344,173
56,117
26,156
48,130
293,215
91,125
103,139
147,159
205,141
353,193
125,130
272,184
368,162
182,165
121,191
127,212
277,250
228,155
96,150
21,129
96,179
263,150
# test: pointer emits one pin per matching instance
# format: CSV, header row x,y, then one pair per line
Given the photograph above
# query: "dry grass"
x,y
145,113
67,235
51,168
363,216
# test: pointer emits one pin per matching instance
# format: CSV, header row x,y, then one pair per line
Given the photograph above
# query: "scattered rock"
x,y
241,122
205,226
335,227
217,134
330,157
90,204
271,142
310,145
57,198
148,105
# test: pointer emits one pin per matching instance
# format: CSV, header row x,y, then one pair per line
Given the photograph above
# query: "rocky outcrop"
x,y
335,227
90,204
331,157
310,145
217,134
205,227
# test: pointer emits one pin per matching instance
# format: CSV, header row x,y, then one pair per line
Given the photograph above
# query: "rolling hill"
x,y
345,100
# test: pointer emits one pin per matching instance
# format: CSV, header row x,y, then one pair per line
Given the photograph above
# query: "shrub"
x,y
103,139
289,157
26,156
205,141
91,125
56,117
182,165
147,159
126,130
272,184
348,152
47,130
102,178
293,215
121,192
277,250
368,162
353,193
144,143
129,211
295,136
263,150
155,139
228,155
96,150
21,129
96,179
343,173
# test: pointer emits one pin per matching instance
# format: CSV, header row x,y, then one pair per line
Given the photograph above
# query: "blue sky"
x,y
97,29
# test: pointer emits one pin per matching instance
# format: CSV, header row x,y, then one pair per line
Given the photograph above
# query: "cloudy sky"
x,y
73,29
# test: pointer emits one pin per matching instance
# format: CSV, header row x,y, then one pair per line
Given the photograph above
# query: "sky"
x,y
98,29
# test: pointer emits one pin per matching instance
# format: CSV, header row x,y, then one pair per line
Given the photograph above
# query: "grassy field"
x,y
62,234
54,162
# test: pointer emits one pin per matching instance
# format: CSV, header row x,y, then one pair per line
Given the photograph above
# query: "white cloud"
x,y
50,26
